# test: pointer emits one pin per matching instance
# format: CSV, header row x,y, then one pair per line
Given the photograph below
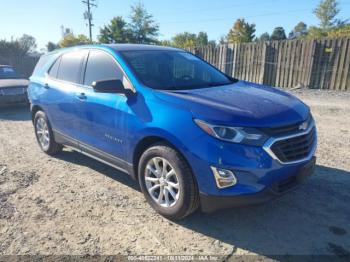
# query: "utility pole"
x,y
88,15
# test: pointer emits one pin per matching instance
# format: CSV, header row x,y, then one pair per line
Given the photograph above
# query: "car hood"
x,y
240,104
6,83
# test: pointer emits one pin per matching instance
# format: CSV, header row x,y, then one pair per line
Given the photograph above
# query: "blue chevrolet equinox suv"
x,y
189,134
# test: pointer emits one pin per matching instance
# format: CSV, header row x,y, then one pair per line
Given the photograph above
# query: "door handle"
x,y
82,96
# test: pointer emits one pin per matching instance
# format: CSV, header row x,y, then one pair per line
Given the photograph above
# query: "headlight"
x,y
243,135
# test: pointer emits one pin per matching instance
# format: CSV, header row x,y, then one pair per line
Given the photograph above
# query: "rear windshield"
x,y
8,72
173,70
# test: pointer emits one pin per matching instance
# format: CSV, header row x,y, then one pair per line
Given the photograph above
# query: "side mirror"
x,y
114,86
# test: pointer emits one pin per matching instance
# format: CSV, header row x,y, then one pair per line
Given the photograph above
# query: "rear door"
x,y
62,84
103,116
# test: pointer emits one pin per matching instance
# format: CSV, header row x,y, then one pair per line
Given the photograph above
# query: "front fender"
x,y
162,135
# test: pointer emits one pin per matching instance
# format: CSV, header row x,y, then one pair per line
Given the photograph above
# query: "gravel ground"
x,y
72,204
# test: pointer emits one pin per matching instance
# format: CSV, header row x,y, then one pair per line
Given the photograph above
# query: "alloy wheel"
x,y
162,182
42,132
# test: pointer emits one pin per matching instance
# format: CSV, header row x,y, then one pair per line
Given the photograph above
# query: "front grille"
x,y
295,148
285,130
276,131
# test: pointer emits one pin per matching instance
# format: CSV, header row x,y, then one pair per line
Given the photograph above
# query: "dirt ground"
x,y
72,204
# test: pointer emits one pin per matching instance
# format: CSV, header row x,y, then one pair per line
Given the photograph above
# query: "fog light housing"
x,y
223,177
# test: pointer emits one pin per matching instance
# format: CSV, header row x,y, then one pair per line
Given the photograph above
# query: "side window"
x,y
54,68
70,65
101,66
42,61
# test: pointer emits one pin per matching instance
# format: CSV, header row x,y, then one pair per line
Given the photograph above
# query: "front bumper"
x,y
210,203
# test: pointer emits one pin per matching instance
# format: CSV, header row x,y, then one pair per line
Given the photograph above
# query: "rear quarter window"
x,y
54,68
70,66
39,65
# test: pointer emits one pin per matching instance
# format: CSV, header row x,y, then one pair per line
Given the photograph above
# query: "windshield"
x,y
7,72
173,70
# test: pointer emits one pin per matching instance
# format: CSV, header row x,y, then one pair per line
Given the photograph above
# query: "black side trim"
x,y
103,156
95,153
65,140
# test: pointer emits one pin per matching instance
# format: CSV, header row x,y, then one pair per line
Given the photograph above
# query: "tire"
x,y
46,143
186,199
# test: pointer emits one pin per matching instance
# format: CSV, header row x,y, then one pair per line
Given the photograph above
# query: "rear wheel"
x,y
167,182
44,134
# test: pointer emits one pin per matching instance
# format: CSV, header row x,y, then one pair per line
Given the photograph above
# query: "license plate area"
x,y
306,170
291,182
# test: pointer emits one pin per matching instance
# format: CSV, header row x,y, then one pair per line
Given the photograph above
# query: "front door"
x,y
103,117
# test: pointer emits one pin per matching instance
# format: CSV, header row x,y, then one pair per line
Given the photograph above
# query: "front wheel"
x,y
44,134
167,182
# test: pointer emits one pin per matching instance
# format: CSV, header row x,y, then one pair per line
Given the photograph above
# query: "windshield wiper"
x,y
198,86
220,84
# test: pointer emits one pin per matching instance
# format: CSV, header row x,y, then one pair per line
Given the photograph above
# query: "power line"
x,y
88,15
232,18
225,7
184,11
209,20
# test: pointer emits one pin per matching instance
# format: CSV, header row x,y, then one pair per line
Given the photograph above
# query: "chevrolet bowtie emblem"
x,y
304,126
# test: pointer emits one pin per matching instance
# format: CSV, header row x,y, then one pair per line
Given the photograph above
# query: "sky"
x,y
43,18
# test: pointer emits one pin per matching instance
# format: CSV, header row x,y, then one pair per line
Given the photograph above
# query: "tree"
x,y
340,32
50,46
316,32
27,43
223,40
184,40
212,43
300,28
116,31
299,31
72,40
330,26
187,40
264,37
143,28
202,39
241,32
326,12
11,48
165,42
15,51
18,48
278,34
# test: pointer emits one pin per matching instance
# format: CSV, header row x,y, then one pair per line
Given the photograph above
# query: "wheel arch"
x,y
146,143
34,109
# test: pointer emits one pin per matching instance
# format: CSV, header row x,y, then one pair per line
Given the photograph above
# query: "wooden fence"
x,y
320,64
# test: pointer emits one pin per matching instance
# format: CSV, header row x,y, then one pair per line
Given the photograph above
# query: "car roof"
x,y
140,47
116,48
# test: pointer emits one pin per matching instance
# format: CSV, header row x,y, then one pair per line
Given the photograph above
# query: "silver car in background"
x,y
13,87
